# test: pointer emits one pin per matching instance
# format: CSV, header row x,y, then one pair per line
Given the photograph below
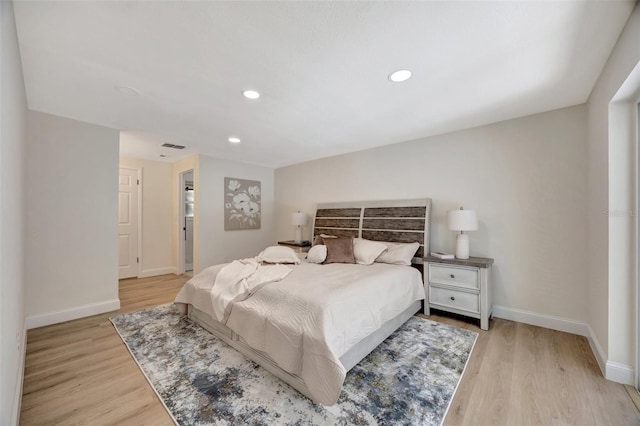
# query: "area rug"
x,y
409,379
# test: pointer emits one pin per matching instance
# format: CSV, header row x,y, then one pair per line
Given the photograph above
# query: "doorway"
x,y
187,217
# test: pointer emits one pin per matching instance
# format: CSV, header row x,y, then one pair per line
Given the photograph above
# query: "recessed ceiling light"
x,y
250,94
400,76
127,91
234,140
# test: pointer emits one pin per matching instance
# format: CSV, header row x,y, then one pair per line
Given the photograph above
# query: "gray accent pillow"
x,y
339,250
319,239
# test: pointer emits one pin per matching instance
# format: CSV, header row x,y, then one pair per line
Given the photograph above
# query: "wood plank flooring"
x,y
80,373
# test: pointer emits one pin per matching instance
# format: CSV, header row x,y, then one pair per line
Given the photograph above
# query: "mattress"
x,y
307,321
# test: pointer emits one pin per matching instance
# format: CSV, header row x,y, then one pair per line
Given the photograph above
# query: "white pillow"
x,y
398,253
278,254
366,251
317,254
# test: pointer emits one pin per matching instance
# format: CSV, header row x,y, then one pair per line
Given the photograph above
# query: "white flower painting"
x,y
242,200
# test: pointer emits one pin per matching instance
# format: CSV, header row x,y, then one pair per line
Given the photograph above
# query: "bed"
x,y
321,320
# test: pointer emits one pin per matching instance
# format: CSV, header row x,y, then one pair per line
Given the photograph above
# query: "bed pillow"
x,y
278,254
317,254
366,251
339,250
398,253
319,239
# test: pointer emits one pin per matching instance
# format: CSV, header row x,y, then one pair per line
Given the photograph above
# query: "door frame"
x,y
182,182
637,242
139,214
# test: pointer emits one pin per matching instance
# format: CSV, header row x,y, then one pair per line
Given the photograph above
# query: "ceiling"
x,y
321,69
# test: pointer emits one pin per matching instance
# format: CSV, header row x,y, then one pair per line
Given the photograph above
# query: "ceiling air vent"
x,y
170,145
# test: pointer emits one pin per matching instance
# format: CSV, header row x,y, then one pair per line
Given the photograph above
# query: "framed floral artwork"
x,y
242,204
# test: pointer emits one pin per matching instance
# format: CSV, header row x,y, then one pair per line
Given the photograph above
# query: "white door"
x,y
128,222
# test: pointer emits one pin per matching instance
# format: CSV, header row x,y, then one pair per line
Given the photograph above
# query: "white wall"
x,y
215,245
71,219
13,122
611,255
157,216
525,177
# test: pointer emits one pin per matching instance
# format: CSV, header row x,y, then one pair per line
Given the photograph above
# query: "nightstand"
x,y
302,247
459,286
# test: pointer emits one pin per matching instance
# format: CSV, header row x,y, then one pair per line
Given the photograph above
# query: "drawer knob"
x,y
453,276
453,298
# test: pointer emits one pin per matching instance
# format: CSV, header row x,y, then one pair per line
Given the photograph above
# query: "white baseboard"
x,y
611,370
546,321
35,321
158,271
598,351
620,373
17,396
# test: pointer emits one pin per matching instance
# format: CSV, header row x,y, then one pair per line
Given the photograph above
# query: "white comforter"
x,y
312,317
238,281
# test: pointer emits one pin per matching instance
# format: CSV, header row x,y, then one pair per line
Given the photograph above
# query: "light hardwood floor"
x,y
80,372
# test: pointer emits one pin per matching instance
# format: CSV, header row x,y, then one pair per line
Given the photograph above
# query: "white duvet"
x,y
238,281
306,321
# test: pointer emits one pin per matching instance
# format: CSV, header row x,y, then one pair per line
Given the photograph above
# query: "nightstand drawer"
x,y
455,299
457,276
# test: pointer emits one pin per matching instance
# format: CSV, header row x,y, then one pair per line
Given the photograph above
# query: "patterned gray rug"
x,y
409,379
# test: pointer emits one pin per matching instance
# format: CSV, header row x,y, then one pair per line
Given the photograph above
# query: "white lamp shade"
x,y
462,220
299,219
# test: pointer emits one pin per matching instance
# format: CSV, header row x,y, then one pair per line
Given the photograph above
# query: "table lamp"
x,y
299,220
462,220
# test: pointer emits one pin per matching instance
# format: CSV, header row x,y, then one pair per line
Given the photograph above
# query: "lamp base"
x,y
462,246
298,239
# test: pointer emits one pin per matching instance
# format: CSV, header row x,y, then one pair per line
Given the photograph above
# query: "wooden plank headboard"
x,y
397,221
